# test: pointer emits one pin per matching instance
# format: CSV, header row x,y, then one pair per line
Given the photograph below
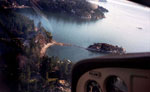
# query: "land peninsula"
x,y
76,8
81,9
22,65
28,68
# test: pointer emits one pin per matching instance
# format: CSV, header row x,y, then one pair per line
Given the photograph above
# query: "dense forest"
x,y
21,67
81,9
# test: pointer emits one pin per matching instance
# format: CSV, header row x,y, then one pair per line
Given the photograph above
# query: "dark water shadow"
x,y
56,16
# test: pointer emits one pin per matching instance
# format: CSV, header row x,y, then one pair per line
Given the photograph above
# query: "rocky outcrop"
x,y
105,48
102,9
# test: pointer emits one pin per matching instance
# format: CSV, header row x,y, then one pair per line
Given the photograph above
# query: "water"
x,y
126,24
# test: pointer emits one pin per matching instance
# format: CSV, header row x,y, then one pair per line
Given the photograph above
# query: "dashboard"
x,y
119,73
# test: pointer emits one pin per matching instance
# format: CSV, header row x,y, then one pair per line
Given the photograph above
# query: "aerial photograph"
x,y
41,41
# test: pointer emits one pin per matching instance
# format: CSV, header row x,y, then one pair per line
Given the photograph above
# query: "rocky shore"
x,y
77,8
81,9
106,48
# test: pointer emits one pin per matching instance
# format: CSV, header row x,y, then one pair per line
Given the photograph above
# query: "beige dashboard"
x,y
125,80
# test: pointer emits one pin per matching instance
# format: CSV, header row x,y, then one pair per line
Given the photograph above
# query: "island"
x,y
106,48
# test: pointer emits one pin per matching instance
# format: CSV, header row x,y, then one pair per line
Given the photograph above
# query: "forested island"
x,y
106,48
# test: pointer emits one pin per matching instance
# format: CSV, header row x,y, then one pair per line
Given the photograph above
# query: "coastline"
x,y
22,45
80,9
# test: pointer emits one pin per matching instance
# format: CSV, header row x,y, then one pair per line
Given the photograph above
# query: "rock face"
x,y
105,48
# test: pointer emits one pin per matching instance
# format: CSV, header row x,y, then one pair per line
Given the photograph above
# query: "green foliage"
x,y
37,74
17,24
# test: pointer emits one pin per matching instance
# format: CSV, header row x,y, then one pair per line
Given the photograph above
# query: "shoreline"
x,y
52,43
83,10
80,9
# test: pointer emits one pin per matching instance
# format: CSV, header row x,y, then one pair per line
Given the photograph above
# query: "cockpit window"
x,y
41,40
